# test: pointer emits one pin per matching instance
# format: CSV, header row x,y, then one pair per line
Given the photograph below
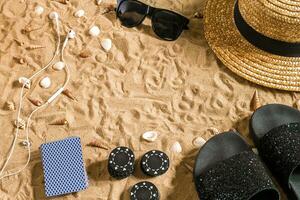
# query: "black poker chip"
x,y
155,163
121,162
144,191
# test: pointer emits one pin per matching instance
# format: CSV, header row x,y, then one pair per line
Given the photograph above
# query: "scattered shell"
x,y
39,10
97,144
199,142
20,60
26,81
45,82
85,53
214,130
71,34
28,28
79,13
198,15
106,44
33,47
20,124
150,136
63,1
69,94
60,122
59,66
255,102
9,105
35,102
94,31
98,2
176,148
20,43
25,143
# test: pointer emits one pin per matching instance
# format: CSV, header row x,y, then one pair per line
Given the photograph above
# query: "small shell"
x,y
26,81
35,102
98,2
69,94
45,82
150,136
85,53
20,124
25,143
39,10
213,130
20,43
63,1
20,60
60,122
255,101
106,44
33,47
79,13
176,148
59,66
198,15
9,105
97,144
94,31
198,142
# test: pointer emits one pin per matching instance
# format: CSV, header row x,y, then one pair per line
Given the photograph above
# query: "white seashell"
x,y
176,148
39,10
45,82
71,34
106,44
199,142
150,136
24,80
79,13
99,2
59,66
94,31
53,15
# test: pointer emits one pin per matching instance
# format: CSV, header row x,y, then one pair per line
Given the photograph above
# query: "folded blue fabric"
x,y
63,166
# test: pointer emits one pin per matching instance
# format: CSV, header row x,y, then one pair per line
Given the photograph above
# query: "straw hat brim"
x,y
243,58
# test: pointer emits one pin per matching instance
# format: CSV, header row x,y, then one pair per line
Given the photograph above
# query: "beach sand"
x,y
178,89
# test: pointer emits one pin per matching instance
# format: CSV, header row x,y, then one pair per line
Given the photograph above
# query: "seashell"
x,y
106,44
39,10
35,102
150,136
79,13
20,60
28,28
69,94
198,15
85,53
20,124
26,143
176,148
62,1
33,47
214,130
45,82
26,81
98,2
60,122
199,142
94,31
9,105
59,66
97,144
20,43
255,102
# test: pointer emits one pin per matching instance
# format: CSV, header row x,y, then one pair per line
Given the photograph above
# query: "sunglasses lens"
x,y
131,13
167,25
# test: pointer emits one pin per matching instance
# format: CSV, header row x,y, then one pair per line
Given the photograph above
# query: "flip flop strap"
x,y
280,149
237,178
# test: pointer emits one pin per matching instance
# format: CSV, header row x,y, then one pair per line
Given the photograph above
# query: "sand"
x,y
178,89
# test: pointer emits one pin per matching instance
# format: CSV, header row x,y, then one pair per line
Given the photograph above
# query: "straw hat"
x,y
257,39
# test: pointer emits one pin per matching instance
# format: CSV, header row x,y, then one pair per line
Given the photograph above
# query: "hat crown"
x,y
276,19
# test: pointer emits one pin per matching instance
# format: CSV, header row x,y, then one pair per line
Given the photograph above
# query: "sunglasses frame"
x,y
151,11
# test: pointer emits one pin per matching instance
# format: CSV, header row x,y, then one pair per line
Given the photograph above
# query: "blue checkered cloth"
x,y
64,170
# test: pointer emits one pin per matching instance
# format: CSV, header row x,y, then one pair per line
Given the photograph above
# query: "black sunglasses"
x,y
167,24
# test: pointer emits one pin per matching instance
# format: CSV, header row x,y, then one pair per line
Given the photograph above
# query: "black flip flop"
x,y
275,129
226,168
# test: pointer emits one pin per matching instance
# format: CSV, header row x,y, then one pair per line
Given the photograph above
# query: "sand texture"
x,y
178,89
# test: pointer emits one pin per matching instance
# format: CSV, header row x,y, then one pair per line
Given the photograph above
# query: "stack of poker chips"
x,y
144,190
155,163
121,162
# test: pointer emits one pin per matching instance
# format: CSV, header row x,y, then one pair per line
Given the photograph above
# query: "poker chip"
x,y
155,163
144,191
121,162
